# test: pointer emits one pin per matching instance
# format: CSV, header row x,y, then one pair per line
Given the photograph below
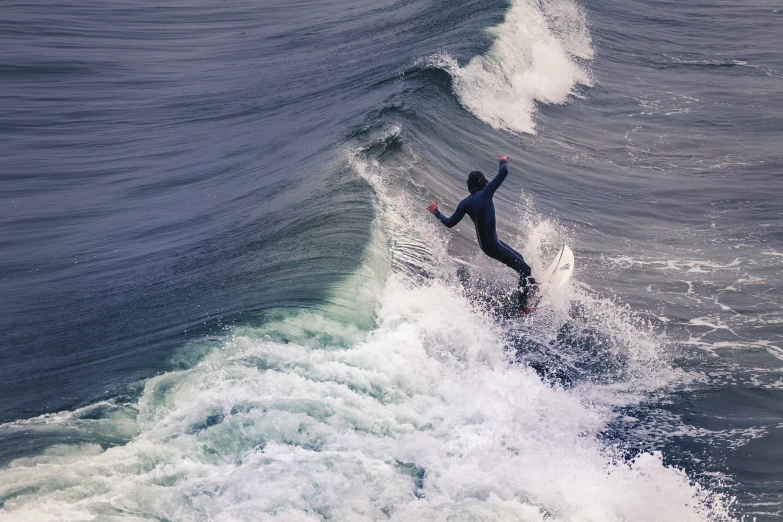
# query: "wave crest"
x,y
539,55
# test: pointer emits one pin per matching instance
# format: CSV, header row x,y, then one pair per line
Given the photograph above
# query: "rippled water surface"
x,y
221,296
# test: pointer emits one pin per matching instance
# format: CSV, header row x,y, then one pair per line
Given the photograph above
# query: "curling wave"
x,y
540,54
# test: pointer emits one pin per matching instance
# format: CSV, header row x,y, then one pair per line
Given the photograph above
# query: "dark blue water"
x,y
218,282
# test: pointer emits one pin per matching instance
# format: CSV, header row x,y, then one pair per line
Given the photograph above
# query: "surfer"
x,y
478,205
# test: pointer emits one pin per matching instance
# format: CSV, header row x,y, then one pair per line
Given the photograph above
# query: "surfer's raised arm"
x,y
455,218
493,185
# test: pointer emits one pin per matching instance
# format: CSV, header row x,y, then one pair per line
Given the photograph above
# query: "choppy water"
x,y
221,297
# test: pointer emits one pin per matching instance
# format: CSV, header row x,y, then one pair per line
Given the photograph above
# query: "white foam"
x,y
421,418
538,56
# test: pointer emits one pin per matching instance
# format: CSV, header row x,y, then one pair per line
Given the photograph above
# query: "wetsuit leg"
x,y
512,259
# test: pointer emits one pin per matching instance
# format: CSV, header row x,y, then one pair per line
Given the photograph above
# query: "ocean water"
x,y
222,298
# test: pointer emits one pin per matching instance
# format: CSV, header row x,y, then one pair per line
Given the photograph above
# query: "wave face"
x,y
226,301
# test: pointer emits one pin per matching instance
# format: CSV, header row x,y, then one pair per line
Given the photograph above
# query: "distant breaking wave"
x,y
538,55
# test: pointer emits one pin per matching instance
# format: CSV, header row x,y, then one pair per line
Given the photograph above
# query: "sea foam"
x,y
539,54
421,418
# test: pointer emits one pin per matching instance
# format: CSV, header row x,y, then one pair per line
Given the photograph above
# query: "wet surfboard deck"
x,y
557,274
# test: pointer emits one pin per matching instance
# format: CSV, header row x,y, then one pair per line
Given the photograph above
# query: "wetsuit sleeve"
x,y
455,218
493,185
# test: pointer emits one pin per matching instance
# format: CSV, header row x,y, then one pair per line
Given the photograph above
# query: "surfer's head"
x,y
476,181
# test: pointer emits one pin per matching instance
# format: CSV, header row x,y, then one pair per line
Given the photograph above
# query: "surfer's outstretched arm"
x,y
493,185
455,218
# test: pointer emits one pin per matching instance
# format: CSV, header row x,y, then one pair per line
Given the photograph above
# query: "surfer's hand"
x,y
504,158
433,206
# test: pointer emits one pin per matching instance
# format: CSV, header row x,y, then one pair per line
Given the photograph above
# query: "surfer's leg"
x,y
512,259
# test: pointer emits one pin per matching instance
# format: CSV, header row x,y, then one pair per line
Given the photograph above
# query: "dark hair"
x,y
476,181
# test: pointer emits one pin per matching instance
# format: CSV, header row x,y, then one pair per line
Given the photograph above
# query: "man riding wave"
x,y
478,205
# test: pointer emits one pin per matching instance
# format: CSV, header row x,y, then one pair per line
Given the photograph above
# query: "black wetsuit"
x,y
481,210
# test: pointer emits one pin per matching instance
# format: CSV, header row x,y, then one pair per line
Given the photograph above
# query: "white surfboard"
x,y
561,268
558,272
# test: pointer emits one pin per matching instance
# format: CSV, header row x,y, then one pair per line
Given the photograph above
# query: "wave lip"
x,y
538,55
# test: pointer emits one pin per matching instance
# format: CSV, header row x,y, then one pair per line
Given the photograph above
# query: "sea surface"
x,y
222,297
